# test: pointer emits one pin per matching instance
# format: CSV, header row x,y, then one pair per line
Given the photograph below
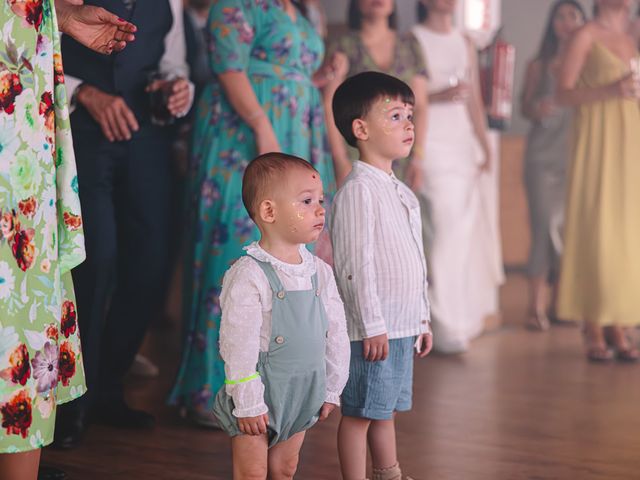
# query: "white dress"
x,y
462,246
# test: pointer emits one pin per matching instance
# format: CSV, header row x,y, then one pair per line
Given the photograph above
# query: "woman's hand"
x,y
457,93
94,27
627,87
332,72
485,166
545,108
414,176
266,140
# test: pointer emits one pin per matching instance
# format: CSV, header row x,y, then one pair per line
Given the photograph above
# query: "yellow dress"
x,y
600,275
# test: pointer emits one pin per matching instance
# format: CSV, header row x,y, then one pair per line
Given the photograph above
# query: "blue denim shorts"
x,y
377,389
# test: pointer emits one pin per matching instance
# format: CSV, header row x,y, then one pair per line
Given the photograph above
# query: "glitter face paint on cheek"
x,y
386,124
295,219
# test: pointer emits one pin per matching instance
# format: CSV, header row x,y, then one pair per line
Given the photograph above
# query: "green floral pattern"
x,y
41,237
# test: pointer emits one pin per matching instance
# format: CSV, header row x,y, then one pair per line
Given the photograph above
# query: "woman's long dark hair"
x,y
355,16
422,11
550,42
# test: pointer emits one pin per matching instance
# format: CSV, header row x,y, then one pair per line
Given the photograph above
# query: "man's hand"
x,y
325,411
94,27
375,348
178,93
254,425
111,112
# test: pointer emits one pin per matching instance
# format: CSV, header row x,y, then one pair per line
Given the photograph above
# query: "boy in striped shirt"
x,y
380,270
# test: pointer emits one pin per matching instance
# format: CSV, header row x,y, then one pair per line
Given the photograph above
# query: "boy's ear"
x,y
266,211
360,130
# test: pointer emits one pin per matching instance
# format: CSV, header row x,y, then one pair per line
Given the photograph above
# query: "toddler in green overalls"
x,y
283,335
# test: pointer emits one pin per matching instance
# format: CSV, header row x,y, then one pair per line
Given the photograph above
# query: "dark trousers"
x,y
124,194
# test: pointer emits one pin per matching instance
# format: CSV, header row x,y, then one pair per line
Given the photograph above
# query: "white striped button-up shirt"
x,y
379,261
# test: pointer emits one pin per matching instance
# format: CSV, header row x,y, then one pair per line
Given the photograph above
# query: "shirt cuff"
x,y
332,397
425,327
254,411
374,330
71,84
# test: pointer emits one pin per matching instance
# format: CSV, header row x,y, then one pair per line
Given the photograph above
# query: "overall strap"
x,y
271,275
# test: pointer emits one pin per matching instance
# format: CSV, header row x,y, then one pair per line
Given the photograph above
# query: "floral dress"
x,y
279,56
41,236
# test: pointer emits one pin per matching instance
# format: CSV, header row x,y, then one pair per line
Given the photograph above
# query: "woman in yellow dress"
x,y
600,271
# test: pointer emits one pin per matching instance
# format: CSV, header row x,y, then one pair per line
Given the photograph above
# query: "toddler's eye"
x,y
410,117
321,201
307,201
396,116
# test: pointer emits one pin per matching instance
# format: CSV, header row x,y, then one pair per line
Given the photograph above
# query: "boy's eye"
x,y
410,116
321,201
396,116
307,201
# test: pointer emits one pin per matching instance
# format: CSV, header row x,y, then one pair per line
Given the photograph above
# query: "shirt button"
x,y
349,277
279,339
280,294
317,293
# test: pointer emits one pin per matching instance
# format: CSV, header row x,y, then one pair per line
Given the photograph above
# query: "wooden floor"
x,y
519,405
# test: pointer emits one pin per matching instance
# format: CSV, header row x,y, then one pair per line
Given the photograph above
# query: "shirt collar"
x,y
305,269
365,168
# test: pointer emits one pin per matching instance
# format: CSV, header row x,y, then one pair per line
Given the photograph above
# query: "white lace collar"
x,y
304,269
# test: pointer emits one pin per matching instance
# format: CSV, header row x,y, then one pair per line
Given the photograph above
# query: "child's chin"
x,y
313,237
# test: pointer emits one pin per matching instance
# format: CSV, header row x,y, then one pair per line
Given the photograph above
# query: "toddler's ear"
x,y
267,211
360,130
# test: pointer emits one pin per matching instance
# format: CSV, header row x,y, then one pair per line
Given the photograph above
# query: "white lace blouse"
x,y
245,328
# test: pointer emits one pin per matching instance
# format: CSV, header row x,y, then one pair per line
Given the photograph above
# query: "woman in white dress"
x,y
462,249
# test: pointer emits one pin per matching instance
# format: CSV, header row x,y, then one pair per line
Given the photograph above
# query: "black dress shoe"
x,y
120,415
71,425
50,473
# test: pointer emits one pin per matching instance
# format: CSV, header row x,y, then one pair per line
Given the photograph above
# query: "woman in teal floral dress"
x,y
264,54
41,236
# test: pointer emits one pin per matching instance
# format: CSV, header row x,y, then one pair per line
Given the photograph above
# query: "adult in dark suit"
x,y
123,176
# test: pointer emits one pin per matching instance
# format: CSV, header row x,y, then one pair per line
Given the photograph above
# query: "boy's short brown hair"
x,y
355,96
261,175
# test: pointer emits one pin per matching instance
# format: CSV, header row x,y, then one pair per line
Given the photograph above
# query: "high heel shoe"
x,y
537,321
597,350
624,351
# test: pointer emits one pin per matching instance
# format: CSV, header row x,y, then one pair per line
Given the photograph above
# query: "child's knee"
x,y
284,467
250,471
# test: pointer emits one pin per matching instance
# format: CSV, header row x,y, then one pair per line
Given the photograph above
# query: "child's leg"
x,y
382,443
283,458
352,447
249,457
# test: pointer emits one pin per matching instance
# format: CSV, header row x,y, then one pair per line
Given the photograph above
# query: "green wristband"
x,y
242,380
